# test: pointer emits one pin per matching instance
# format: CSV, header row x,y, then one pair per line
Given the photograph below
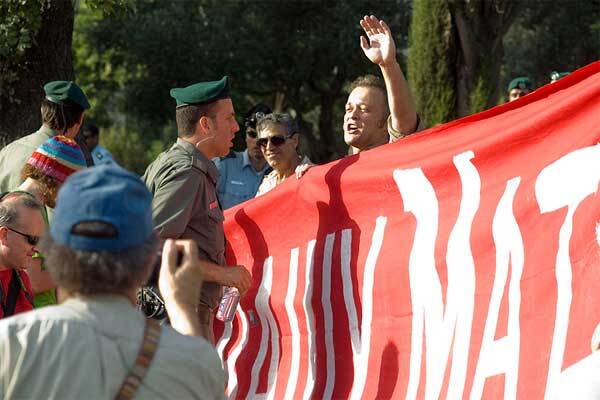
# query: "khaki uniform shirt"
x,y
14,156
85,347
185,206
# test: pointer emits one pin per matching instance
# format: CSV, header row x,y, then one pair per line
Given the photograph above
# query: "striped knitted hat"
x,y
58,157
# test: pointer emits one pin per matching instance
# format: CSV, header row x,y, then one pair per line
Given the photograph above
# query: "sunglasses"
x,y
32,240
275,141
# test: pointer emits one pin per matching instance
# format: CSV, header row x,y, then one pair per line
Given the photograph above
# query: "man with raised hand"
x,y
379,112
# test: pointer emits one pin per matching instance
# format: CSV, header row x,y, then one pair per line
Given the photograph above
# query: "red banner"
x,y
460,262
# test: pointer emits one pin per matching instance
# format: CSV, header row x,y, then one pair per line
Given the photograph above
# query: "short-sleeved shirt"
x,y
85,347
102,156
23,302
14,156
238,180
185,205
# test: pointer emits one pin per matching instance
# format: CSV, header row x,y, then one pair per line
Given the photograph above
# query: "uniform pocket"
x,y
216,215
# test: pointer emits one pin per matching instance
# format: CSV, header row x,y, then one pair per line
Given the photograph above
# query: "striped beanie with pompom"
x,y
58,157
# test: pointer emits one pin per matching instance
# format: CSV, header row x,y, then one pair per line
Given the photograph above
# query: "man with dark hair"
x,y
62,114
183,182
379,111
91,138
240,173
96,345
21,225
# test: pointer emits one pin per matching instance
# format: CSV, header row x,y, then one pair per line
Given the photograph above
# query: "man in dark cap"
x,y
555,75
519,87
242,172
62,114
96,344
183,182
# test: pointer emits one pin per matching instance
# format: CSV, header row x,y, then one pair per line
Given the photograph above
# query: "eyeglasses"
x,y
32,240
275,141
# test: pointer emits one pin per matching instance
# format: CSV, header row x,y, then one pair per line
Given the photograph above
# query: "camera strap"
x,y
142,362
14,288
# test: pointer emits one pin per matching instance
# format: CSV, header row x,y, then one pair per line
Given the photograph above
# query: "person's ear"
x,y
204,124
3,235
295,140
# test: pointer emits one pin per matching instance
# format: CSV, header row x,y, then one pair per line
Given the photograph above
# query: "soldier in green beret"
x,y
62,114
519,87
183,182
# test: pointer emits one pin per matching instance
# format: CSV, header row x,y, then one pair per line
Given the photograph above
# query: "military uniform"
x,y
14,156
185,206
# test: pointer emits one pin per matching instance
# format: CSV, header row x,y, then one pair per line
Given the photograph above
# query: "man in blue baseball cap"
x,y
101,247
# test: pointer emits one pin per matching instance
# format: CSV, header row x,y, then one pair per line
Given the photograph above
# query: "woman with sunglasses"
x,y
278,140
43,175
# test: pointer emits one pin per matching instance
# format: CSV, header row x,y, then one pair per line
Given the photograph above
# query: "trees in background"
x,y
297,56
463,53
35,47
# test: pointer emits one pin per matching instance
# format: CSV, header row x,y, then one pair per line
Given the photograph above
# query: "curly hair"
x,y
48,185
99,272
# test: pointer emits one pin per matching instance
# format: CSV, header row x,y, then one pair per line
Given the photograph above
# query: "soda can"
x,y
228,304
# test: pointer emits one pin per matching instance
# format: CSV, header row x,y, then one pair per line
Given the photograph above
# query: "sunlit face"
x,y
364,120
222,127
254,151
515,93
281,157
15,248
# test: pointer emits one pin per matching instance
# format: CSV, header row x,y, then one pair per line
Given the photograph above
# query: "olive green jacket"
x,y
14,156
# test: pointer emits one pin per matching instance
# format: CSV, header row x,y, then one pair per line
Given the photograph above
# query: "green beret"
x,y
521,82
554,76
201,93
59,91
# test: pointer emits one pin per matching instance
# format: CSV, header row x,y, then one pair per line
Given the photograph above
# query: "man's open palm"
x,y
380,47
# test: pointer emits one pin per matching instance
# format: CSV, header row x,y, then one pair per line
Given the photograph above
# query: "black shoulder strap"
x,y
2,301
14,287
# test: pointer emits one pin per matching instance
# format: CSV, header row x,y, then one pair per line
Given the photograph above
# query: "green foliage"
x,y
546,37
294,55
429,69
20,22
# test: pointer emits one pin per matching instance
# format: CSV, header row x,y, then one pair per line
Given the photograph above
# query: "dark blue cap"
x,y
109,194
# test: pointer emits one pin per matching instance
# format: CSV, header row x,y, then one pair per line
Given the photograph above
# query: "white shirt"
x,y
84,348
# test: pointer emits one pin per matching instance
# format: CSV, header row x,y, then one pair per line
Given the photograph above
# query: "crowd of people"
x,y
79,235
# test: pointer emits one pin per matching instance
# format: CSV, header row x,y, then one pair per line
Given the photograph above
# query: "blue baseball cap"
x,y
109,194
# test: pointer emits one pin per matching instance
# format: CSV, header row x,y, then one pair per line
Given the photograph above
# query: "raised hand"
x,y
380,47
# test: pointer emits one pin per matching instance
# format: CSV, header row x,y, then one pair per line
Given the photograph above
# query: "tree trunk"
x,y
455,55
50,58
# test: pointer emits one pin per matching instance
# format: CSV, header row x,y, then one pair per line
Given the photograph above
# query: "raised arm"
x,y
379,47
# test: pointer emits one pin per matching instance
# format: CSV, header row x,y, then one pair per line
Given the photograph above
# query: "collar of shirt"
x,y
201,161
246,162
47,131
106,313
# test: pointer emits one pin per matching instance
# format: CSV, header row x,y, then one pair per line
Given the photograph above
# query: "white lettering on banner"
x,y
269,328
310,321
294,330
565,183
502,356
235,352
452,328
361,341
328,316
444,327
419,198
